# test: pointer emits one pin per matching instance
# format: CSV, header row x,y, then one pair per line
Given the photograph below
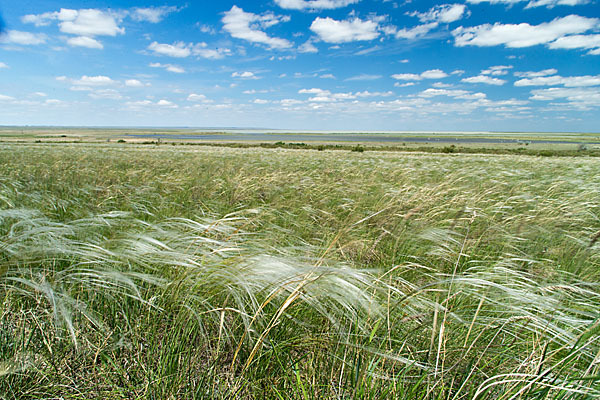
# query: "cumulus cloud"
x,y
133,83
523,35
430,74
99,80
152,14
533,3
445,13
578,42
84,41
442,14
247,26
169,67
22,38
308,47
497,70
198,98
314,4
332,31
458,94
178,49
535,74
3,65
579,97
416,32
244,75
486,79
553,80
85,24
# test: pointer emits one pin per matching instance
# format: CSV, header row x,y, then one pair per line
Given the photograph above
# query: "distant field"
x,y
432,139
171,271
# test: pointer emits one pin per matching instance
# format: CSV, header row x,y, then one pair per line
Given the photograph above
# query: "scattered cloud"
x,y
486,79
198,98
314,4
524,34
22,38
535,74
244,75
178,49
247,26
364,77
99,80
445,13
169,67
152,14
85,24
458,94
134,83
332,31
416,32
3,65
497,70
430,74
553,80
533,3
583,98
578,42
84,41
308,47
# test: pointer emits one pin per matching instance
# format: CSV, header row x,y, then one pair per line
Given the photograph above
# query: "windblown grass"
x,y
215,273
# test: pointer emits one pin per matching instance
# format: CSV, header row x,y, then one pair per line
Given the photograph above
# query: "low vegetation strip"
x,y
216,272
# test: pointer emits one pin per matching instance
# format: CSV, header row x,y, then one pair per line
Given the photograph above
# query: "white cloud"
x,y
6,98
99,80
243,25
83,41
3,65
85,24
89,22
327,76
535,74
202,50
416,32
152,14
497,70
458,94
314,4
166,103
570,81
308,47
110,94
260,101
445,13
522,35
332,31
434,74
178,49
244,75
198,98
133,83
577,42
169,67
22,38
488,80
430,74
579,97
364,77
533,3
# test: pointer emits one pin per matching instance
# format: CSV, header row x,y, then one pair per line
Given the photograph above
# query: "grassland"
x,y
155,272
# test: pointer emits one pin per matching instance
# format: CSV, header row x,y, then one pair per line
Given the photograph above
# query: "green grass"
x,y
157,272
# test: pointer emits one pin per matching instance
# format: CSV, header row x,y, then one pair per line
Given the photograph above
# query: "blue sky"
x,y
500,65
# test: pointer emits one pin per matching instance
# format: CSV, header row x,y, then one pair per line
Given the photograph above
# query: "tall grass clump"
x,y
223,273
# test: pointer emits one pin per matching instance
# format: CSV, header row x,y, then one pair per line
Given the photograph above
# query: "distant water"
x,y
294,138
